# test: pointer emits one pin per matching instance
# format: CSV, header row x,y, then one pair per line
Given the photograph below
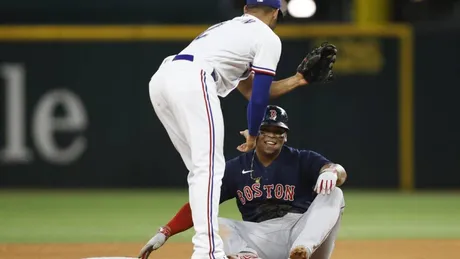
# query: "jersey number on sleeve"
x,y
205,33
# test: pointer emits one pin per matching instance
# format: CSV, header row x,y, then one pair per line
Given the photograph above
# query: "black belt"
x,y
190,58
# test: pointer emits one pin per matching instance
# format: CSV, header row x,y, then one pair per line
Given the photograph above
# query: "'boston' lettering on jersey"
x,y
289,180
267,191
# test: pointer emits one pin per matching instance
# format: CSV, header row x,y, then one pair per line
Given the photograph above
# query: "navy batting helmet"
x,y
275,4
276,116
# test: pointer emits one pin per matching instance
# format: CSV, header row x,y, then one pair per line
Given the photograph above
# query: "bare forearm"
x,y
277,88
284,86
341,177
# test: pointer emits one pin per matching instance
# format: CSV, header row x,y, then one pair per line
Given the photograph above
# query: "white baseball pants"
x,y
183,95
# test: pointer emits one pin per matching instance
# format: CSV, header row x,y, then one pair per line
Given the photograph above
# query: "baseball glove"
x,y
317,65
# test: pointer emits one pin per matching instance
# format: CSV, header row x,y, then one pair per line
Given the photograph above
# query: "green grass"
x,y
133,216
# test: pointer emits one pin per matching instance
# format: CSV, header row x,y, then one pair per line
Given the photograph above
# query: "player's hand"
x,y
155,242
250,142
326,182
317,65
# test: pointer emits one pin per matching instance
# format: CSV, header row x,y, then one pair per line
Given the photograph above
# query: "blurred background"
x,y
75,115
76,111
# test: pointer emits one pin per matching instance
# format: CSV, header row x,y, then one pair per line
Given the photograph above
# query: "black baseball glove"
x,y
317,65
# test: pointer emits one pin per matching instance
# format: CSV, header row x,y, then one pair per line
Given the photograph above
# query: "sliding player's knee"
x,y
335,198
225,232
337,193
224,228
338,196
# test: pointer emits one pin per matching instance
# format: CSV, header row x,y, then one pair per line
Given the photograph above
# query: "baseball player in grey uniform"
x,y
241,53
287,197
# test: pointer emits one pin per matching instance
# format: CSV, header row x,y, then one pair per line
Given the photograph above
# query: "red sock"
x,y
182,220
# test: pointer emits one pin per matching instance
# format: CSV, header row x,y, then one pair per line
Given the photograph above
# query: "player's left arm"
x,y
315,67
277,88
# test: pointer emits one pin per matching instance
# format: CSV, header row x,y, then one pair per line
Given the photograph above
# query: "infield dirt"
x,y
345,249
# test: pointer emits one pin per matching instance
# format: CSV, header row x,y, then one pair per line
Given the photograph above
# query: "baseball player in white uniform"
x,y
240,53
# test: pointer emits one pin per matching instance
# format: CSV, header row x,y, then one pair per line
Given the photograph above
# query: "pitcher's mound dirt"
x,y
345,249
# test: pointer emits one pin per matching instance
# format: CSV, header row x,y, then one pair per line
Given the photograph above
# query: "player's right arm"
x,y
267,52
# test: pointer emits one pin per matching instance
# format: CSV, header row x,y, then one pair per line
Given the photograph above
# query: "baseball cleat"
x,y
299,252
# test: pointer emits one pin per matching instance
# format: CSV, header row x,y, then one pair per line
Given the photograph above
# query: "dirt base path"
x,y
347,249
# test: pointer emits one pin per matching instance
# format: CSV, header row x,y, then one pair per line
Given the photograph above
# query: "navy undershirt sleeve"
x,y
258,101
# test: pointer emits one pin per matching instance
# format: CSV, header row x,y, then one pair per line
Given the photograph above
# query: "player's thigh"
x,y
164,113
232,239
269,239
335,199
196,107
177,138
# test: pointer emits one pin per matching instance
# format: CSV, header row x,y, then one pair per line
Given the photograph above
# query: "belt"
x,y
183,57
190,58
